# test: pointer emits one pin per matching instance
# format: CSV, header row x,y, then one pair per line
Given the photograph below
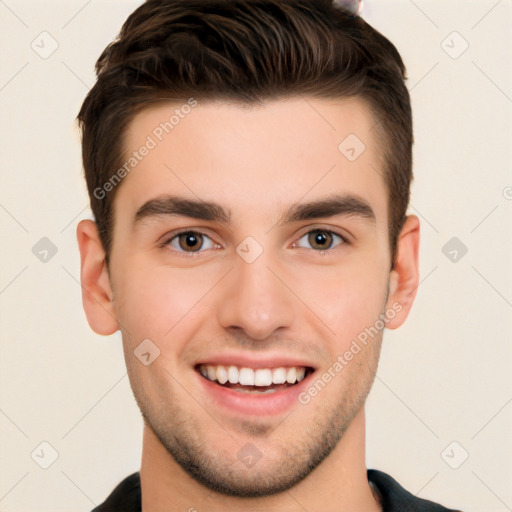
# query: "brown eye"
x,y
190,241
321,240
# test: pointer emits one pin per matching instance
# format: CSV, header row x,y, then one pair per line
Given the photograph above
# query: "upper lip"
x,y
255,361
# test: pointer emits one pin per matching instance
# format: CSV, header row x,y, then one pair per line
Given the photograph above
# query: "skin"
x,y
294,299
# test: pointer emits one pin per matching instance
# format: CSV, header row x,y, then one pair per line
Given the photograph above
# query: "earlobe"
x,y
404,278
97,296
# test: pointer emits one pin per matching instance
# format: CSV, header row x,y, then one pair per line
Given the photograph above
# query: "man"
x,y
248,164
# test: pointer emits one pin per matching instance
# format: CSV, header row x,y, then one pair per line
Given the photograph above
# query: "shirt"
x,y
126,497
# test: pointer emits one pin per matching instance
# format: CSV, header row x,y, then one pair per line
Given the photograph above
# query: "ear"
x,y
97,297
404,278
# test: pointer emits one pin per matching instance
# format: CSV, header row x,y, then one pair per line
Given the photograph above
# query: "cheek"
x,y
153,302
347,300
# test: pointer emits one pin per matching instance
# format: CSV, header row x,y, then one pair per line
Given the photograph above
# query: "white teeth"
x,y
222,374
291,375
233,374
211,372
263,377
279,376
248,377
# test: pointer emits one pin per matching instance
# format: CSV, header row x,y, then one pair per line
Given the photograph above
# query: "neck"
x,y
338,484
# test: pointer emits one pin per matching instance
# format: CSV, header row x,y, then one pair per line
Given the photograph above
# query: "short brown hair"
x,y
245,51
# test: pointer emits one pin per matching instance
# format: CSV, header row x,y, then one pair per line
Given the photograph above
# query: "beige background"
x,y
444,377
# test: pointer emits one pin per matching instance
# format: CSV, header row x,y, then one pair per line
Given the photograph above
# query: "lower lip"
x,y
264,404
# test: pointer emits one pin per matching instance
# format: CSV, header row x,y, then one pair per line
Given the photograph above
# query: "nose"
x,y
254,299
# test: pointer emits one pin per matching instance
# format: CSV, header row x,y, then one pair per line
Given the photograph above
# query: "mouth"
x,y
244,392
254,380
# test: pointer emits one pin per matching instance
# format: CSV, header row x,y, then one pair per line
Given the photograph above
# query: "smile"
x,y
249,380
241,390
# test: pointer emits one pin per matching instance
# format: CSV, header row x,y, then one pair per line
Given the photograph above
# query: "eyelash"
x,y
195,254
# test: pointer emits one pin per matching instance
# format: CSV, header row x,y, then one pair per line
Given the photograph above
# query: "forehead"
x,y
258,158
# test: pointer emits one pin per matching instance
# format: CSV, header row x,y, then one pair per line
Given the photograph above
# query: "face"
x,y
246,245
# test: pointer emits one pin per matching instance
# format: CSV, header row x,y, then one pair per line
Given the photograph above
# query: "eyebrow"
x,y
347,205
